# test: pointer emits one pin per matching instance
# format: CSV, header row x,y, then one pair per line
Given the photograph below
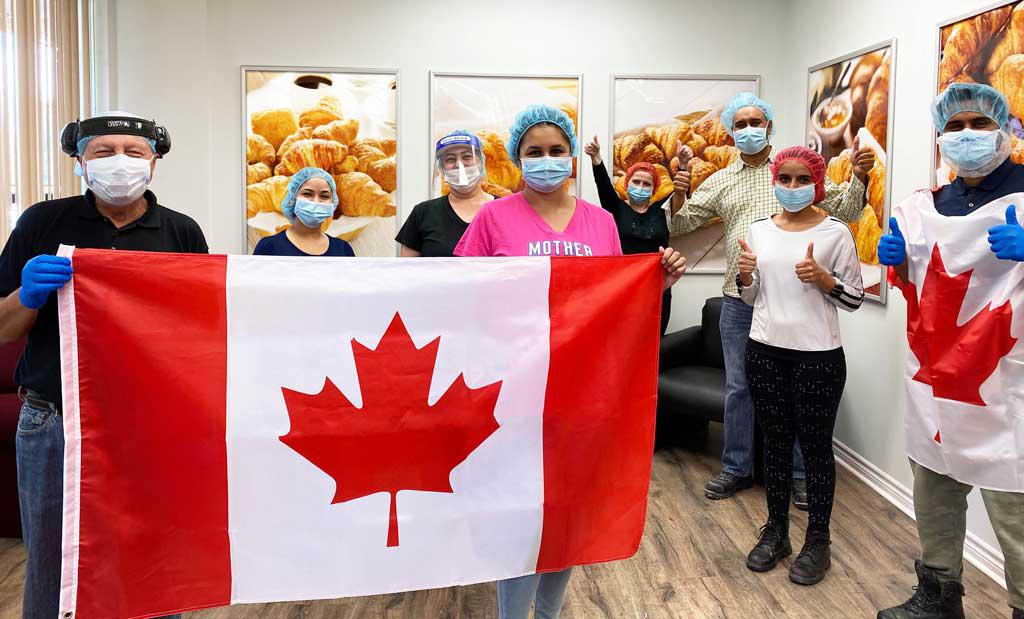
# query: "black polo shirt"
x,y
76,221
957,199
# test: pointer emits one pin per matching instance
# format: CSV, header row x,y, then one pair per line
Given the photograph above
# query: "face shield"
x,y
460,162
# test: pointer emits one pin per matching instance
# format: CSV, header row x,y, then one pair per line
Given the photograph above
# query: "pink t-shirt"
x,y
510,227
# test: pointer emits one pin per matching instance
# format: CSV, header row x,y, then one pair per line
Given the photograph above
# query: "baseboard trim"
x,y
976,551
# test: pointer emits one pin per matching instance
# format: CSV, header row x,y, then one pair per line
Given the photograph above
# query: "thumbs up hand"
x,y
1007,240
892,247
863,159
810,272
593,149
748,262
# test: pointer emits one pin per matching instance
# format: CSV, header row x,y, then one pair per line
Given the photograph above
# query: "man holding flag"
x,y
956,254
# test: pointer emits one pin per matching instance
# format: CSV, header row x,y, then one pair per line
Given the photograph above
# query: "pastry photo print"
x,y
487,106
652,115
986,48
342,122
847,100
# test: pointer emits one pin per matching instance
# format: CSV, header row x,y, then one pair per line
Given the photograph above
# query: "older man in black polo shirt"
x,y
116,155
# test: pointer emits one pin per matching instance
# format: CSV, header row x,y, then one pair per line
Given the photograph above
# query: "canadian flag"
x,y
250,429
965,371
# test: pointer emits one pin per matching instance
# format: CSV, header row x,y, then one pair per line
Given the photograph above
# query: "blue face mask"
x,y
546,174
751,140
795,200
969,150
312,214
639,195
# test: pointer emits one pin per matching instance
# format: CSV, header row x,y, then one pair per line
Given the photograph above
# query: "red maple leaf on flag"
x,y
396,440
955,359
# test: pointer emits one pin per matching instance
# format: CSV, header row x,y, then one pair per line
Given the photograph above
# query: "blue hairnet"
x,y
83,142
298,180
534,115
742,100
970,98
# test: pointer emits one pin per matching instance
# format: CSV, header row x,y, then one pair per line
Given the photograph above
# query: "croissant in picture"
x,y
713,132
966,41
383,172
668,137
366,152
877,119
500,169
275,125
699,170
265,196
341,131
324,154
326,110
302,134
840,168
1009,80
256,172
630,149
876,189
860,79
360,196
1010,41
721,156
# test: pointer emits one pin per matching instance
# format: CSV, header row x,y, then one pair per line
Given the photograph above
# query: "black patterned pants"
x,y
796,396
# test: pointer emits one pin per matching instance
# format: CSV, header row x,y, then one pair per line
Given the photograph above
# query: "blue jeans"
x,y
40,448
738,453
516,595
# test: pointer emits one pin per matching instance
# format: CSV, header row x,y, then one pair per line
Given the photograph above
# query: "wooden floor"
x,y
690,564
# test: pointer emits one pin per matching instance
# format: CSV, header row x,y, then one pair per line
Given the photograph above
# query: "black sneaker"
x,y
813,561
1018,614
932,599
772,546
725,485
800,494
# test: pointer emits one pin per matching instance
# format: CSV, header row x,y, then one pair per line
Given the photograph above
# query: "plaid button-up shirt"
x,y
740,194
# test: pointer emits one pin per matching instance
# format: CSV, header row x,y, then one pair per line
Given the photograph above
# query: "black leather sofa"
x,y
691,375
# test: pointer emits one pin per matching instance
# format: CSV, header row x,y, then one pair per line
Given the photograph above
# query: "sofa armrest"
x,y
681,348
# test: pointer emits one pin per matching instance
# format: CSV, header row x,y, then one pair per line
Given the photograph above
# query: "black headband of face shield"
x,y
114,125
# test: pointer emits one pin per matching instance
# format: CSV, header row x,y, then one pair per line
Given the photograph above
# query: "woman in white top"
x,y
796,268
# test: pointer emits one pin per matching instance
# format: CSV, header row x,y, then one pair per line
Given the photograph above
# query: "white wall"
x,y
871,417
179,62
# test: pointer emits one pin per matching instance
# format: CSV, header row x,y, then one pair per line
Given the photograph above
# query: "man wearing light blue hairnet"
x,y
739,194
975,143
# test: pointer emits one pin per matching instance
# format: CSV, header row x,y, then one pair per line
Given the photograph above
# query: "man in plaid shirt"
x,y
739,194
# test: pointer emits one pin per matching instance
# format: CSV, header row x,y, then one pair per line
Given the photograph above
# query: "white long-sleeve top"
x,y
787,312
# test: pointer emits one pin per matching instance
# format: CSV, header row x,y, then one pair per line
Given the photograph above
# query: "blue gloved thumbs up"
x,y
892,247
1007,240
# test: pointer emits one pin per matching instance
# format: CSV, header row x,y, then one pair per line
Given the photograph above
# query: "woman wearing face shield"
x,y
796,269
309,202
545,220
643,225
435,226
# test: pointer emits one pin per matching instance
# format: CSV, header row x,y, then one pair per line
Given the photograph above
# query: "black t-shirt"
x,y
280,245
639,233
75,221
433,228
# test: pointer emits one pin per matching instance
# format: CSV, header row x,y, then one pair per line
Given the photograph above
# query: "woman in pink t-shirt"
x,y
544,220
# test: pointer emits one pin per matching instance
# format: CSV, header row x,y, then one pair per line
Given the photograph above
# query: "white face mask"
x,y
118,180
463,177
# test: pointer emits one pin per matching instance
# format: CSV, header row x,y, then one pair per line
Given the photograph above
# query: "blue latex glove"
x,y
892,247
41,276
1007,240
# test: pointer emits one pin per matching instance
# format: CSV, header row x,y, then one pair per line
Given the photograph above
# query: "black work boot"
x,y
772,546
932,599
813,561
800,494
725,485
1018,614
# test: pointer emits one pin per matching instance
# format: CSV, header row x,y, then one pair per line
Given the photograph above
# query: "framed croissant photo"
x,y
985,46
486,104
342,120
849,99
650,116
